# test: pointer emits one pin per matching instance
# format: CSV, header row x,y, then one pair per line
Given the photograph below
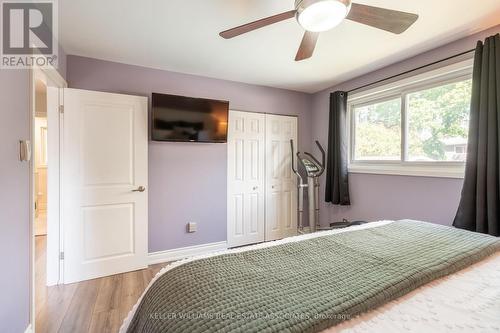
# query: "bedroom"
x,y
393,112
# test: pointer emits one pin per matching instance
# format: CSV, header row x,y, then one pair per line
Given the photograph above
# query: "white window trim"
x,y
442,169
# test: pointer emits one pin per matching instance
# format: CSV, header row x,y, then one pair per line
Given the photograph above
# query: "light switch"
x,y
24,150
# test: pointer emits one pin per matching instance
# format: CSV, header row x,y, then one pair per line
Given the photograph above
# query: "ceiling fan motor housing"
x,y
321,15
300,5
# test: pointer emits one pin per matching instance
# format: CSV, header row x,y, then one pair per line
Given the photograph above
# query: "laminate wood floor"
x,y
97,306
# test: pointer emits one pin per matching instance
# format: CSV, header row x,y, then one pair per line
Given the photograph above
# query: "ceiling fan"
x,y
317,16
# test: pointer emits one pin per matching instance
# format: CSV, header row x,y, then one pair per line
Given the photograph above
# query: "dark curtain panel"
x,y
337,183
479,204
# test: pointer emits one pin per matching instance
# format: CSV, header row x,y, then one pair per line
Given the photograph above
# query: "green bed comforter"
x,y
306,286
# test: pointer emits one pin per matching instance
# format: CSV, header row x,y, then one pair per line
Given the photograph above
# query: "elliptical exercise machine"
x,y
314,169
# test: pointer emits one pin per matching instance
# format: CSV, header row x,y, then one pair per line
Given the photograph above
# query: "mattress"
x,y
431,308
467,301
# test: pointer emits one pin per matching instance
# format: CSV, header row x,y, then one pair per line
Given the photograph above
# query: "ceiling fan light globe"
x,y
322,15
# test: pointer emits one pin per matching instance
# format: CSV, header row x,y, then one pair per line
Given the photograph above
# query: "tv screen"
x,y
186,119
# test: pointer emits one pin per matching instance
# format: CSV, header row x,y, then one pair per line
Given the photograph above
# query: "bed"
x,y
387,276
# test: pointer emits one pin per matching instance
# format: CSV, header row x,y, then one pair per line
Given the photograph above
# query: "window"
x,y
378,123
438,122
418,126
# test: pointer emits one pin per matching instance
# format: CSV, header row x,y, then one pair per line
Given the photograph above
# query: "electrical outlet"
x,y
192,227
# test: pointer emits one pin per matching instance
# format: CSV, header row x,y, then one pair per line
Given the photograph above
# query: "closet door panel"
x,y
273,212
246,178
288,179
281,184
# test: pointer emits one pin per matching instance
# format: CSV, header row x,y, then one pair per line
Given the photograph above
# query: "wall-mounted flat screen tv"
x,y
186,119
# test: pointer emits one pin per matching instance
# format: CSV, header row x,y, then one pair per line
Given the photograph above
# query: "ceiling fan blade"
x,y
389,20
307,46
257,24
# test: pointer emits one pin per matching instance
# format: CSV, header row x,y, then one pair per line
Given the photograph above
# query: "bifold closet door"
x,y
246,178
281,183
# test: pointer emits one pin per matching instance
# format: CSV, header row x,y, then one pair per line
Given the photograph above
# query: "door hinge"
x,y
61,255
61,108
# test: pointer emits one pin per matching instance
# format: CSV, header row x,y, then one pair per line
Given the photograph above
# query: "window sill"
x,y
438,171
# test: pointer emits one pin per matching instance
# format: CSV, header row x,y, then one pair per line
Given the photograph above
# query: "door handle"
x,y
139,189
255,188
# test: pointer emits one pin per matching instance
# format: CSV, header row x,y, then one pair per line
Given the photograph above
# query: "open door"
x,y
105,184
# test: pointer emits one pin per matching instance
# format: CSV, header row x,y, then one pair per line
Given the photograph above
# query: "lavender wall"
x,y
187,181
14,203
62,61
15,241
377,197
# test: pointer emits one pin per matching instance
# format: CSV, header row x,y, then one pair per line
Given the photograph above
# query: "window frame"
x,y
402,88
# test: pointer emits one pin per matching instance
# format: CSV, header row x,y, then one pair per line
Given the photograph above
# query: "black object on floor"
x,y
345,224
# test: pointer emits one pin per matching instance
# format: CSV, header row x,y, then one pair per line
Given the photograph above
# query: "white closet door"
x,y
246,154
281,183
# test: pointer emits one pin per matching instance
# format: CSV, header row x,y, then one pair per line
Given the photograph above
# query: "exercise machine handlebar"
x,y
323,155
294,169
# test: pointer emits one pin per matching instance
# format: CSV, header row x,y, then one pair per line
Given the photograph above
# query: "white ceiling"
x,y
182,36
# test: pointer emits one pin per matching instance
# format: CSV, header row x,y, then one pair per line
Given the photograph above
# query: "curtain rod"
x,y
412,70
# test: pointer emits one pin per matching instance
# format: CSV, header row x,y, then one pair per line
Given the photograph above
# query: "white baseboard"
x,y
29,329
184,252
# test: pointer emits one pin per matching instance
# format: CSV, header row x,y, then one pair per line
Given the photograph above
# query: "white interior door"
x,y
281,183
105,158
246,180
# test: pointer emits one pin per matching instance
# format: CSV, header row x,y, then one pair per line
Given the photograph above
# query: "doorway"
x,y
41,166
40,156
96,144
45,92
